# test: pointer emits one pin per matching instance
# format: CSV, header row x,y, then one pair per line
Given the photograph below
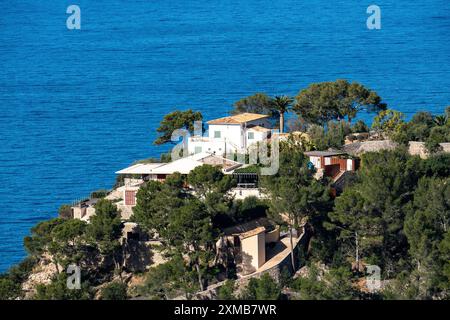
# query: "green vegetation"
x,y
65,211
331,137
164,158
94,246
169,280
186,221
226,292
253,168
281,105
174,121
326,101
104,231
57,290
359,127
114,291
296,196
10,282
258,103
264,288
261,103
395,214
335,284
423,126
99,194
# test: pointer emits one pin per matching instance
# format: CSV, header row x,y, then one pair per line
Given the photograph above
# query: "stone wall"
x,y
417,148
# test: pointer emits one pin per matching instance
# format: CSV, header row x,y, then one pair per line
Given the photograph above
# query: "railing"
x,y
80,200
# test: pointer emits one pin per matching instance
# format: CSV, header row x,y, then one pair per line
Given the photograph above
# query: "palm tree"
x,y
281,104
440,120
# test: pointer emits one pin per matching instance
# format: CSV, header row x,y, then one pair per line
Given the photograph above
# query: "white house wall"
x,y
315,161
258,137
231,134
214,146
233,137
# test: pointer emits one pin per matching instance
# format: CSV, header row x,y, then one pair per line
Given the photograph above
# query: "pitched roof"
x,y
238,118
324,153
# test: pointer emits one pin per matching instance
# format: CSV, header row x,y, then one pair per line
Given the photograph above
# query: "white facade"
x,y
315,160
231,135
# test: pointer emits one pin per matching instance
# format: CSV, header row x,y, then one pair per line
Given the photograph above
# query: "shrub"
x,y
360,126
99,194
114,291
169,280
58,290
8,288
264,288
226,292
65,211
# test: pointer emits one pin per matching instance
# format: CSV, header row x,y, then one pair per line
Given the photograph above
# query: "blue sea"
x,y
77,105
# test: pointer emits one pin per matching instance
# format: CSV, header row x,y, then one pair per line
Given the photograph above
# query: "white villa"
x,y
233,134
226,136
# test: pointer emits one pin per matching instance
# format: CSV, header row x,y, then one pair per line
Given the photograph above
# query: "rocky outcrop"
x,y
42,273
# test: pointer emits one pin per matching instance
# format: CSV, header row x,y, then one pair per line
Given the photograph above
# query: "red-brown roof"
x,y
239,118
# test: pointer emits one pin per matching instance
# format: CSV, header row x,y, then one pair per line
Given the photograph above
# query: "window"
x,y
198,149
217,134
251,135
130,197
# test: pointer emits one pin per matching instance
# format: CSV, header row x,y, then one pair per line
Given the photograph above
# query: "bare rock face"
x,y
42,273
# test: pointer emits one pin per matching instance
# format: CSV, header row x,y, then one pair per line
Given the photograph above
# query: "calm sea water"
x,y
75,106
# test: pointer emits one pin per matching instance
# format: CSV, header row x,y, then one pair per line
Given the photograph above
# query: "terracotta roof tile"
x,y
238,119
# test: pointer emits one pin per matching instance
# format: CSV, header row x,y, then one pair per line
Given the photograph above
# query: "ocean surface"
x,y
78,105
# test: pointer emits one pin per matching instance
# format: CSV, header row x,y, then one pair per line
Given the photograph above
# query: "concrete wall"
x,y
273,236
83,213
254,249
